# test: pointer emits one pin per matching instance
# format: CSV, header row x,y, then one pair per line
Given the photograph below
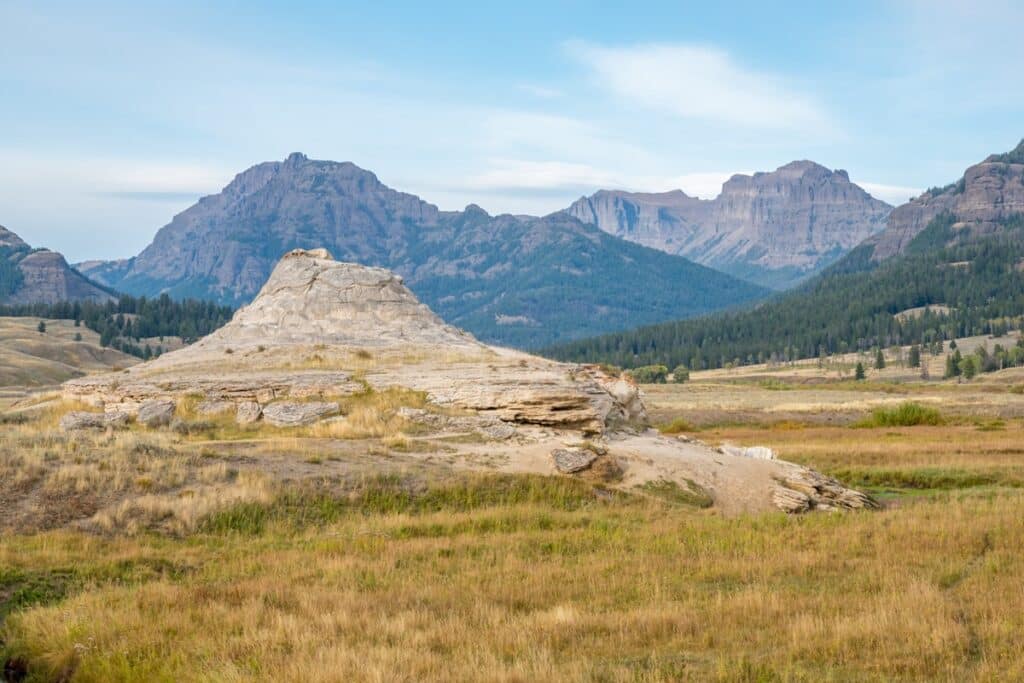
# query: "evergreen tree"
x,y
41,327
78,336
879,360
859,373
914,356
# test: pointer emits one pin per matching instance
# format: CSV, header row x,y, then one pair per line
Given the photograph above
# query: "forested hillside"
x,y
850,307
122,324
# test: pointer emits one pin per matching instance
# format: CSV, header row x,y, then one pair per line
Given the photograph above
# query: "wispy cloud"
x,y
700,82
518,177
893,194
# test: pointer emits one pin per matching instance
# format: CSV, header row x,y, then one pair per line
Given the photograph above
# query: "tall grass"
x,y
909,414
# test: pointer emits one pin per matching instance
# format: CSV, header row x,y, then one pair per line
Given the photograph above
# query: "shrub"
x,y
908,414
677,426
681,374
650,374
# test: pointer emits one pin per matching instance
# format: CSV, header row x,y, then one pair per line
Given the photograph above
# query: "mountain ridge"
x,y
965,262
30,275
773,228
518,280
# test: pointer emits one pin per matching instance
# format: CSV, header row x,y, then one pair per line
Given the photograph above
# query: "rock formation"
x,y
321,331
988,193
30,276
492,275
770,228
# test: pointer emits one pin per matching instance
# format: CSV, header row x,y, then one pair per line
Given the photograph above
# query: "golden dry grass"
x,y
516,578
539,592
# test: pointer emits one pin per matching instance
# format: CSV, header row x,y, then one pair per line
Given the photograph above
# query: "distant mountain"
x,y
986,195
958,249
30,275
770,228
515,280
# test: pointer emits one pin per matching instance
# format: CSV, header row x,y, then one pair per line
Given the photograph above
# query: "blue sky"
x,y
116,116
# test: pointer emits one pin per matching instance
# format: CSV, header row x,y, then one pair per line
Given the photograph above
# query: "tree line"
x,y
978,281
124,323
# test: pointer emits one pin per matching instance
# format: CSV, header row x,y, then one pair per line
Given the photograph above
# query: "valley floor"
x,y
400,571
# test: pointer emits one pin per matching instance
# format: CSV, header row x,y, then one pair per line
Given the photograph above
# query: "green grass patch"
x,y
679,425
394,495
671,492
925,478
909,414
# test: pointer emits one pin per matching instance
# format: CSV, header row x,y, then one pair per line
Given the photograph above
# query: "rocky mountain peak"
x,y
987,194
10,240
770,228
32,276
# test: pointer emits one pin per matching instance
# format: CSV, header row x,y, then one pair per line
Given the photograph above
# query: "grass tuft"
x,y
909,414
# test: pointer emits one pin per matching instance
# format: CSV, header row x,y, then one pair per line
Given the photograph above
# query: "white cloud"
x,y
516,175
893,194
702,83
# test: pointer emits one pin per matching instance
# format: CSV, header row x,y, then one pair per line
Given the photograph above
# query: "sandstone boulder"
x,y
294,414
757,452
570,460
77,420
248,412
156,413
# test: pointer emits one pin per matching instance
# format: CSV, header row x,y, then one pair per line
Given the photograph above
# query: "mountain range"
x,y
30,275
774,229
949,264
517,280
612,261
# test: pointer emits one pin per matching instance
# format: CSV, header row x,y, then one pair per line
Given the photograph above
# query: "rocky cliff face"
x,y
988,193
39,275
516,280
771,228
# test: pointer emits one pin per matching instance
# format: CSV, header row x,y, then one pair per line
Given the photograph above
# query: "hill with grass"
x,y
37,352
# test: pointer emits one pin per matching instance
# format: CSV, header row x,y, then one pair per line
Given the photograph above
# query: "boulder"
x,y
294,414
156,413
248,412
487,426
83,420
569,460
756,452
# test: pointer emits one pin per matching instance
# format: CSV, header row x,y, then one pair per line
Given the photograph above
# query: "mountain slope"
x,y
972,263
40,276
515,280
987,194
771,228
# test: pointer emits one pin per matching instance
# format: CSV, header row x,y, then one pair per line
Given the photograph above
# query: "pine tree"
x,y
858,372
914,357
78,336
41,327
879,360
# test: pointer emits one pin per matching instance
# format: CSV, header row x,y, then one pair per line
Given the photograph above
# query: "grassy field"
x,y
409,574
29,358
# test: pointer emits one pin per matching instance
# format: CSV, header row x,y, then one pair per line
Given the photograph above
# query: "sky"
x,y
116,116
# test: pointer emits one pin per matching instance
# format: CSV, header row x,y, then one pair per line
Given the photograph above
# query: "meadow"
x,y
402,572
